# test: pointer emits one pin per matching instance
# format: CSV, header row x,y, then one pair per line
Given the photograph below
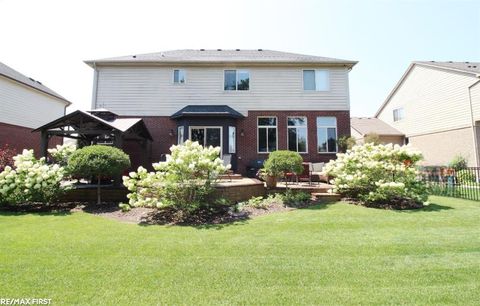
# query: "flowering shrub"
x,y
61,153
31,180
183,181
6,157
378,174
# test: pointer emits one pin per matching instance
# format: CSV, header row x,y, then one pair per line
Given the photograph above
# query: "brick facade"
x,y
19,138
161,128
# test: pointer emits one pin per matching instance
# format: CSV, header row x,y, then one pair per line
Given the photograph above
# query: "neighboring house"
x,y
248,102
437,106
363,126
25,104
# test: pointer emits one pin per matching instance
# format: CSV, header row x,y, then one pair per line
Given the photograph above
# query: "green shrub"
x,y
373,139
30,180
98,161
283,161
345,143
379,174
296,198
465,176
183,182
459,162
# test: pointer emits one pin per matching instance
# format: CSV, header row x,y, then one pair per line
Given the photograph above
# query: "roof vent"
x,y
219,49
432,61
134,56
474,66
450,61
39,82
260,49
31,79
237,49
467,62
202,49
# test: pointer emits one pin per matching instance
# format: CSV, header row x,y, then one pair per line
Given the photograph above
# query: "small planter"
x,y
271,181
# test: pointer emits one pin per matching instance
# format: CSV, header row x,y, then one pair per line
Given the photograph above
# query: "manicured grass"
x,y
335,254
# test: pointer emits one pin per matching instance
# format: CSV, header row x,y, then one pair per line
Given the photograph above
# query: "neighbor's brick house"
x,y
249,102
25,104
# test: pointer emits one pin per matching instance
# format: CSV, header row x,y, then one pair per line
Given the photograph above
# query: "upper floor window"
x,y
327,134
236,80
179,76
398,114
267,134
318,80
297,134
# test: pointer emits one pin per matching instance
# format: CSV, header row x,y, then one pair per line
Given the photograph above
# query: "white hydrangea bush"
x,y
61,153
379,174
184,180
30,180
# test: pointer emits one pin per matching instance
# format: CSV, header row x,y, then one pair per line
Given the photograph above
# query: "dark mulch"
x,y
40,207
397,204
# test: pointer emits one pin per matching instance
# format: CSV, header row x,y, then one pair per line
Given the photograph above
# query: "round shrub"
x,y
379,175
283,161
98,161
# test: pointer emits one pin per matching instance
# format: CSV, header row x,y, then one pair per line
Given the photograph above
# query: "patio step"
x,y
326,196
232,176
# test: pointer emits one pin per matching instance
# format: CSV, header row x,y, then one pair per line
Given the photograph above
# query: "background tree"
x,y
373,139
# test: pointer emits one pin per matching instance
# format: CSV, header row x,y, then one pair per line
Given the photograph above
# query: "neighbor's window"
x,y
327,134
267,134
231,139
179,76
398,114
236,80
297,134
180,135
318,80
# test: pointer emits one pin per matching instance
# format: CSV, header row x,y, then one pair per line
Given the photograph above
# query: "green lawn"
x,y
335,254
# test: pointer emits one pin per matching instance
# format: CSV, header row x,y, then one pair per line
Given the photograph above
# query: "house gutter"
x,y
474,129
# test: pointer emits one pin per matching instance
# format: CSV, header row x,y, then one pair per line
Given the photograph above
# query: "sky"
x,y
48,40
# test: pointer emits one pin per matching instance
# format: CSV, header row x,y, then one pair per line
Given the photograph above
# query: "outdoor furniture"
x,y
306,174
227,160
253,167
318,172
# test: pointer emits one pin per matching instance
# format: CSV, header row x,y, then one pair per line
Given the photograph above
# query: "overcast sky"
x,y
48,40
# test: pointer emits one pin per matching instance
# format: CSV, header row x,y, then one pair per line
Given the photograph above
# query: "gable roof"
x,y
368,125
16,76
223,56
207,110
469,68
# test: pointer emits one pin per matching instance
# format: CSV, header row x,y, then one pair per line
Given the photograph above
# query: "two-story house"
x,y
437,106
25,104
248,102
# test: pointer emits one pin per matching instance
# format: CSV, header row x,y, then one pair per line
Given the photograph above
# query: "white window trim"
x,y
173,77
298,126
230,128
207,127
397,109
268,126
326,132
315,90
236,78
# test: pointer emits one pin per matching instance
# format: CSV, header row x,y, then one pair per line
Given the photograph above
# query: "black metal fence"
x,y
450,182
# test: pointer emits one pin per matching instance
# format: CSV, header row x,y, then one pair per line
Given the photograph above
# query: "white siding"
x,y
434,100
27,107
150,91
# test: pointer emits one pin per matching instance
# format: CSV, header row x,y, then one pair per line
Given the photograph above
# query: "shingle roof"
x,y
367,125
14,75
223,56
473,67
207,110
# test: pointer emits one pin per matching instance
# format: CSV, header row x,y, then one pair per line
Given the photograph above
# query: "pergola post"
x,y
44,143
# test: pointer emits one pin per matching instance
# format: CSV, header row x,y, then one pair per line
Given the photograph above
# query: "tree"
x,y
98,161
373,139
345,143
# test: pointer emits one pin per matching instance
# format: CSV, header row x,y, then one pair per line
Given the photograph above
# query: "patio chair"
x,y
227,160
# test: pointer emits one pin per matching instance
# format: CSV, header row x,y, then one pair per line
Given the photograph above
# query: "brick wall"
x,y
160,128
19,138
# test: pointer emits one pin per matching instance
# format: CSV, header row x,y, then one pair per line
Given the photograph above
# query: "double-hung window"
x,y
297,134
398,114
267,134
179,76
327,134
236,80
317,80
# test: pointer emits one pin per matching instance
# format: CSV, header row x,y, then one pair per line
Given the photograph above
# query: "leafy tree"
x,y
345,143
98,161
373,139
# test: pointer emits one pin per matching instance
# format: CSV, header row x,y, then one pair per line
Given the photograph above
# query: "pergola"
x,y
95,127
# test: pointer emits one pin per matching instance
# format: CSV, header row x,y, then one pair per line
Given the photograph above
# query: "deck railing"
x,y
459,183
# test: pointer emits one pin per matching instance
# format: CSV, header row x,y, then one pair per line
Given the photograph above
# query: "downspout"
x,y
475,144
95,86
